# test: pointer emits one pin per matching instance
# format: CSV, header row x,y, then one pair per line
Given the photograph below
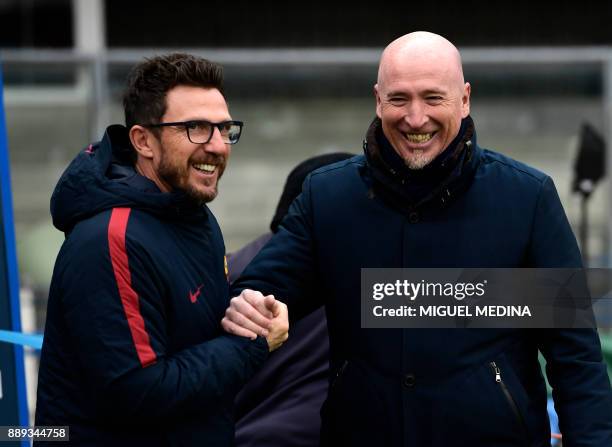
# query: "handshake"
x,y
251,314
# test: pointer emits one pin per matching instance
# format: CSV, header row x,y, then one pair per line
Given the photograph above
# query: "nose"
x,y
416,114
216,144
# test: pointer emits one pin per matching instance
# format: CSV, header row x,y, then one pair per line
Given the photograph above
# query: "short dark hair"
x,y
144,99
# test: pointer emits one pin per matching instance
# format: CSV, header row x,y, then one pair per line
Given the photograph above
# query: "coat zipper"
x,y
509,398
338,375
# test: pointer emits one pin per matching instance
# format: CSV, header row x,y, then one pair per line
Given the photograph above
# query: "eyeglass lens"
x,y
201,132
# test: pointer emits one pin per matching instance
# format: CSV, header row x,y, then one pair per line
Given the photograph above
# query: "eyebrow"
x,y
424,93
396,93
207,120
435,92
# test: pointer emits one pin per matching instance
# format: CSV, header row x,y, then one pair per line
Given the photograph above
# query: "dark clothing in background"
x,y
238,260
295,179
133,351
280,405
435,387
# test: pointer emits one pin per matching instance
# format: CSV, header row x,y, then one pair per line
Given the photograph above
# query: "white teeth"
x,y
204,167
418,137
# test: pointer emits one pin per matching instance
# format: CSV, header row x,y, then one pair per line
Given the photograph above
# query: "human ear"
x,y
465,100
378,101
142,140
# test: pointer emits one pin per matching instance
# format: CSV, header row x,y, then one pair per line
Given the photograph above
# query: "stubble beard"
x,y
178,178
417,160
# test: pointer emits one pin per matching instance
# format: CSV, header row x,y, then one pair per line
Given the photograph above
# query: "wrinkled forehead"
x,y
420,68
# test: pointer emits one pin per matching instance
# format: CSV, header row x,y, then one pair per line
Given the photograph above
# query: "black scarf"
x,y
413,187
418,183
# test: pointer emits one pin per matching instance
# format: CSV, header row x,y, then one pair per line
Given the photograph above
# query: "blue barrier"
x,y
19,338
13,405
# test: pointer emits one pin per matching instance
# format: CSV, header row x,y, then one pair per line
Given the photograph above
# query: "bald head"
x,y
421,96
418,49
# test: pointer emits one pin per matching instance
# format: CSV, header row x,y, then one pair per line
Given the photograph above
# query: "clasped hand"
x,y
251,314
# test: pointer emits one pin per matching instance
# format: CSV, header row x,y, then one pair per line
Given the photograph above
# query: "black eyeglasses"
x,y
201,131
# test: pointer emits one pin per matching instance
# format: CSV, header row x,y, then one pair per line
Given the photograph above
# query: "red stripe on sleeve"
x,y
129,298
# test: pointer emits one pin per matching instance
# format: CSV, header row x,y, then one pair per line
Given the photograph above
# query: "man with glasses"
x,y
133,352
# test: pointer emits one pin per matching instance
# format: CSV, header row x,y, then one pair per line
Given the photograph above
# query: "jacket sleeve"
x,y
575,368
125,355
286,267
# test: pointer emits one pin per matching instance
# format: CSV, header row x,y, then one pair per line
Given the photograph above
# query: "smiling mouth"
x,y
204,167
418,138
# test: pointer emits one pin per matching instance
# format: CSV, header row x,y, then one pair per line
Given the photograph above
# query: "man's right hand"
x,y
251,314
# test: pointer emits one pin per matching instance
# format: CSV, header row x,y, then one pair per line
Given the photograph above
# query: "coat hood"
x,y
102,176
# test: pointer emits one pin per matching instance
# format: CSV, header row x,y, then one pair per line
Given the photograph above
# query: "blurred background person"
x,y
280,405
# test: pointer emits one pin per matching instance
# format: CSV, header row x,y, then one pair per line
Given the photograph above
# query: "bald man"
x,y
424,195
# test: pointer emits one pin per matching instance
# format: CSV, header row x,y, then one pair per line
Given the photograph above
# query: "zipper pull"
x,y
497,372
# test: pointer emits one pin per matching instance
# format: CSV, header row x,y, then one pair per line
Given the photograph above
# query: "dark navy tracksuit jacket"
x,y
133,352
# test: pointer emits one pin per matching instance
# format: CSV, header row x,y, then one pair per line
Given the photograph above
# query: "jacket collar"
x,y
120,168
102,177
390,183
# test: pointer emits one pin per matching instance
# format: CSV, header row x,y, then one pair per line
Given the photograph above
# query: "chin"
x,y
208,196
202,195
418,159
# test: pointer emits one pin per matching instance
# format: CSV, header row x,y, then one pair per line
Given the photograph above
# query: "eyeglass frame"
x,y
186,124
